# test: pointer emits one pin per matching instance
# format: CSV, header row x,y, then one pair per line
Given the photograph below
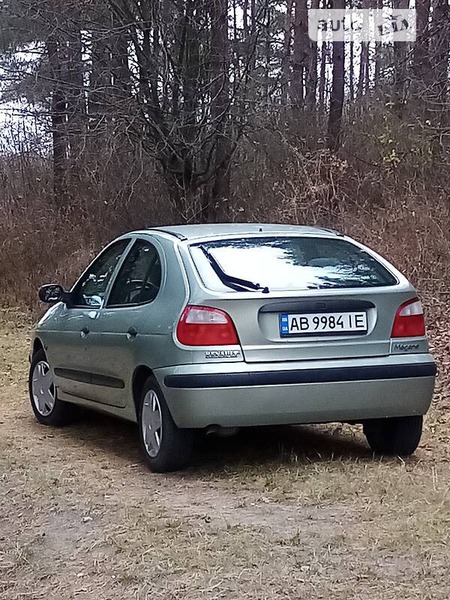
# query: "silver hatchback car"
x,y
223,326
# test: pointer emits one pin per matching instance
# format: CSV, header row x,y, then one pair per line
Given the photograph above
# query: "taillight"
x,y
206,326
409,320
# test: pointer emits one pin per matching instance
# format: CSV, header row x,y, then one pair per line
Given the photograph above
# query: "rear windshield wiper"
x,y
235,283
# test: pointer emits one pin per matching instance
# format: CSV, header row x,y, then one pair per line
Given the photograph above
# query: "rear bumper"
x,y
239,394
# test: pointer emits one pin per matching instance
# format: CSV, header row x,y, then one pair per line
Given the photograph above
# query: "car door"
x,y
68,352
119,329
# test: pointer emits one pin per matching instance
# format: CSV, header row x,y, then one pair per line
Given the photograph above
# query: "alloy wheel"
x,y
151,423
43,388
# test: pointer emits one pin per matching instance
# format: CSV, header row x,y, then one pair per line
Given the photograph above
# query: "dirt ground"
x,y
284,513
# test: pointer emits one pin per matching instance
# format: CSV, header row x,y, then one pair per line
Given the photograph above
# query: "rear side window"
x,y
139,278
298,263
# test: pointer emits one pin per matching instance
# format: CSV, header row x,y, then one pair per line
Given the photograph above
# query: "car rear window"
x,y
290,263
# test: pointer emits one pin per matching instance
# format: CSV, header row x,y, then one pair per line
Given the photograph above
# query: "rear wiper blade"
x,y
235,283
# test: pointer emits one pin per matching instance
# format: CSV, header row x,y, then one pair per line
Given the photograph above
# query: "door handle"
x,y
84,332
132,332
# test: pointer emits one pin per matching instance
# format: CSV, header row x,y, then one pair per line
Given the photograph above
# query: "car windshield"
x,y
287,263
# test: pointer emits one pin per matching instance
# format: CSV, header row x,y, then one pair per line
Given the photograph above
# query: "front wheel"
x,y
396,436
165,446
47,409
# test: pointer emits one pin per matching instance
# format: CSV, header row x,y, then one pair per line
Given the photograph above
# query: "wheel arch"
x,y
37,345
140,376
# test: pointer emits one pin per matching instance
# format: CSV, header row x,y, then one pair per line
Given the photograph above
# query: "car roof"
x,y
214,230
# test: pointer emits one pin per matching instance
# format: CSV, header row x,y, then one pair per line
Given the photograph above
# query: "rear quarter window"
x,y
299,263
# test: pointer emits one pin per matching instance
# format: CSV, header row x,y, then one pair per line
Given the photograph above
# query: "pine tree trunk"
x,y
267,56
311,83
378,54
245,20
286,67
400,68
300,53
76,109
363,62
217,203
337,92
58,120
322,76
363,80
421,67
441,52
100,81
121,74
351,76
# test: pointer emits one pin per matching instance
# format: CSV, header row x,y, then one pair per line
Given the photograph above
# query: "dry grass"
x,y
276,514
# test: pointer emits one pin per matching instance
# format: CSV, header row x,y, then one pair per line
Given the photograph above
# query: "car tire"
x,y
47,409
398,436
165,446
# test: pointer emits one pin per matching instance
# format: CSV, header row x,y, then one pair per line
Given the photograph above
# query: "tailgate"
x,y
351,325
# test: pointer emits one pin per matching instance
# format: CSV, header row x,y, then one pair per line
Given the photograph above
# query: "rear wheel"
x,y
398,436
165,446
47,408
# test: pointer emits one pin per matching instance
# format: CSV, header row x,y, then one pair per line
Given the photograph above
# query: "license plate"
x,y
323,323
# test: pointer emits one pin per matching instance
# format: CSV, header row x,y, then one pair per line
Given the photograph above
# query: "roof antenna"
x,y
260,229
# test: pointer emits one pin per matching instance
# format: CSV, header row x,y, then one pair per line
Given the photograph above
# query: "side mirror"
x,y
52,292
